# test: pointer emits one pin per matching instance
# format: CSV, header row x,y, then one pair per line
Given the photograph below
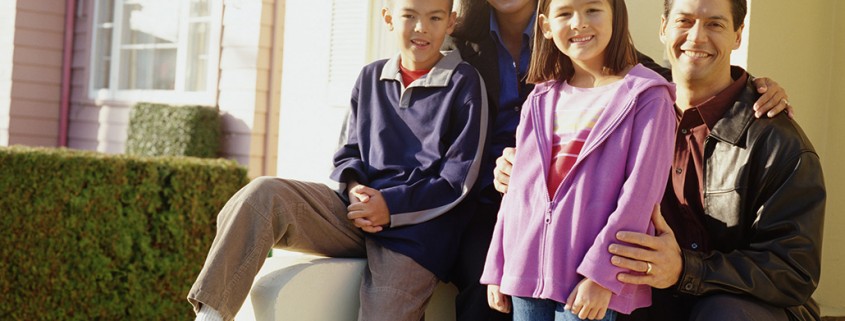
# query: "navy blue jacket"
x,y
422,147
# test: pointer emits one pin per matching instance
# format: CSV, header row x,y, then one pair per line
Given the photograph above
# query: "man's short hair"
x,y
739,8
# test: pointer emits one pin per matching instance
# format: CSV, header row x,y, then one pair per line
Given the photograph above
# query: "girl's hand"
x,y
496,300
588,300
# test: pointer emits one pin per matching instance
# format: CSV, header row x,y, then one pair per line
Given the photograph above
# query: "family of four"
x,y
551,172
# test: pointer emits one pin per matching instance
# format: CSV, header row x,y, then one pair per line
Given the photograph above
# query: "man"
x,y
745,198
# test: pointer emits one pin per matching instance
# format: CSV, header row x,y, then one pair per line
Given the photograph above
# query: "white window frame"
x,y
176,96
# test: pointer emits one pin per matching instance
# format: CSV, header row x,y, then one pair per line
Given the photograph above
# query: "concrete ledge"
x,y
292,286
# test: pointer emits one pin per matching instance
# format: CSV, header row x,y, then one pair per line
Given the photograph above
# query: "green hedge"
x,y
163,130
88,236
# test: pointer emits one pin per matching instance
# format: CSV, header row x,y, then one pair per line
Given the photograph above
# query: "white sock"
x,y
208,313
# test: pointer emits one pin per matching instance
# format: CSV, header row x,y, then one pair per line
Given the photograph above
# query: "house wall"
x,y
94,124
30,81
309,124
7,50
807,61
245,96
250,63
644,24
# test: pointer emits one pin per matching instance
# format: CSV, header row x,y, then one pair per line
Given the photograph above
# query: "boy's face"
x,y
699,37
419,26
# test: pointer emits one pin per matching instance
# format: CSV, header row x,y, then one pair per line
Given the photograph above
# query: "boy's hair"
x,y
389,4
739,8
549,63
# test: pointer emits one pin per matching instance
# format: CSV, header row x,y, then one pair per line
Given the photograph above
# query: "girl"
x,y
594,149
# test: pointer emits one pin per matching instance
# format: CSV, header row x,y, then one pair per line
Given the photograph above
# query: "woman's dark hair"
x,y
474,21
548,63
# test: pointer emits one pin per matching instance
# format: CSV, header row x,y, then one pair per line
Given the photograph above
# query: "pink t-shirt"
x,y
576,113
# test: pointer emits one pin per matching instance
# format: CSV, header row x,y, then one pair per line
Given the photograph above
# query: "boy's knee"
x,y
258,196
264,190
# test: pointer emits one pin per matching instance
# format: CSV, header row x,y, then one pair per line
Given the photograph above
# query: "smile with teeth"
x,y
420,43
696,54
581,39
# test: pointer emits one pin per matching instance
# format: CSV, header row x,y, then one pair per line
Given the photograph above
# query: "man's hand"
x,y
588,300
657,257
369,210
773,100
496,300
502,172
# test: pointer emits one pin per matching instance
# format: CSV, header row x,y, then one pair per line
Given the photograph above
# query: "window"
x,y
160,50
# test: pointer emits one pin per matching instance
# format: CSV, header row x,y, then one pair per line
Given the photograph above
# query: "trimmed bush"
x,y
163,130
89,236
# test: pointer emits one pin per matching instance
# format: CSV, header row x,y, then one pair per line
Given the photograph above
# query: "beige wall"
x,y
30,79
803,52
644,23
832,290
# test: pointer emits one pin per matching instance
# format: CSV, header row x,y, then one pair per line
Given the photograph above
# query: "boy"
x,y
416,134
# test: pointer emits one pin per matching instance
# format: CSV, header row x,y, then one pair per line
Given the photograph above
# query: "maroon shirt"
x,y
682,204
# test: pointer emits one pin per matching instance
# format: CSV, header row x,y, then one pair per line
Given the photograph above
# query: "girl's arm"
x,y
648,162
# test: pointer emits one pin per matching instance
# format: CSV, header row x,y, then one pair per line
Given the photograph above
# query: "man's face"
x,y
419,27
699,37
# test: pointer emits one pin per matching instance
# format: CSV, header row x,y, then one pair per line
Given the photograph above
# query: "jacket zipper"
x,y
545,157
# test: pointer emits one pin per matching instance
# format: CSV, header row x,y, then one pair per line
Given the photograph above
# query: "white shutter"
x,y
347,48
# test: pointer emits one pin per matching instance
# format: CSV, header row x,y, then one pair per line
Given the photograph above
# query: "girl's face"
x,y
506,7
580,29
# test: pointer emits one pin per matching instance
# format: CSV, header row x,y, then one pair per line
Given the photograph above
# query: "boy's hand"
x,y
773,100
502,172
370,212
354,193
588,300
496,300
355,196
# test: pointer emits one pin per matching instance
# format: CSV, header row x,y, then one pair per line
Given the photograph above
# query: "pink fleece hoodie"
x,y
543,246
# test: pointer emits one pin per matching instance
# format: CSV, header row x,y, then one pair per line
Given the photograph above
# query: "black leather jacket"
x,y
764,197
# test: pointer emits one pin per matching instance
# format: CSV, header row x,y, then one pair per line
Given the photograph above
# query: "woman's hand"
x,y
502,172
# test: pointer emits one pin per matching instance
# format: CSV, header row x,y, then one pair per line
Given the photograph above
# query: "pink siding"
x,y
94,125
248,89
36,74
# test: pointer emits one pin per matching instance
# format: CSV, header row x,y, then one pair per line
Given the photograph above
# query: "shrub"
x,y
88,236
163,130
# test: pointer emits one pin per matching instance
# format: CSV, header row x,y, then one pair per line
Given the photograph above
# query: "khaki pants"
x,y
310,218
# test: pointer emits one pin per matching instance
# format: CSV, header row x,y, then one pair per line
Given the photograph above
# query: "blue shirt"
x,y
513,92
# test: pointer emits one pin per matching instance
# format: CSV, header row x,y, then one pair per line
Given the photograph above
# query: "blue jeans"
x,y
530,309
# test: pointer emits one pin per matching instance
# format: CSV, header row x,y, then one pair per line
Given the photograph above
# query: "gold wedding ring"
x,y
648,271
